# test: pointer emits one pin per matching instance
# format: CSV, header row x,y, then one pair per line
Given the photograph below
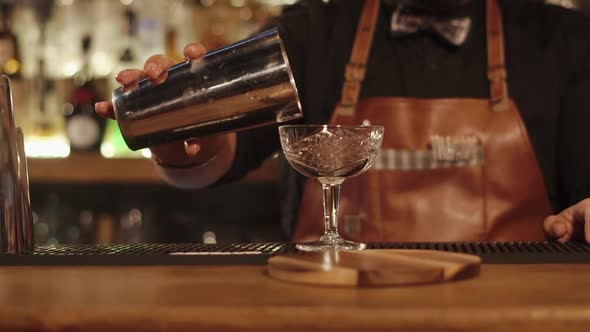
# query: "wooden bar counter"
x,y
548,297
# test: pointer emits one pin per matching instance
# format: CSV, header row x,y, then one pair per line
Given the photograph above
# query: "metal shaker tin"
x,y
244,85
16,222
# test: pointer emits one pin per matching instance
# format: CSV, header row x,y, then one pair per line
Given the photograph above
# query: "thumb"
x,y
558,227
192,147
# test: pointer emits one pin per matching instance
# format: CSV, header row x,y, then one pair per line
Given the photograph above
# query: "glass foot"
x,y
330,243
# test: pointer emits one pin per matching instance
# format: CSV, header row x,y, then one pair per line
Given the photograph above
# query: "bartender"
x,y
485,109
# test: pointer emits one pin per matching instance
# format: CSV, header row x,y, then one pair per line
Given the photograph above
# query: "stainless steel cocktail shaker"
x,y
244,85
16,223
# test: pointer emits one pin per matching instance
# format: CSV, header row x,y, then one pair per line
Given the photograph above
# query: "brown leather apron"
x,y
449,169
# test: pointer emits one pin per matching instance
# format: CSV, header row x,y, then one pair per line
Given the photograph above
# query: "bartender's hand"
x,y
573,222
174,158
155,68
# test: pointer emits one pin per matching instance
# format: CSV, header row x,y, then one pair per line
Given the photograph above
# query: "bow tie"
x,y
452,29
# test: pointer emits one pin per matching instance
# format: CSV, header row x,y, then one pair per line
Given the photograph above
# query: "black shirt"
x,y
548,62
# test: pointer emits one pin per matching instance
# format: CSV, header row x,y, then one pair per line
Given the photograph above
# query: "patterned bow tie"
x,y
454,30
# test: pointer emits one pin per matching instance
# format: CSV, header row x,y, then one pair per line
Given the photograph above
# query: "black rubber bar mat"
x,y
258,253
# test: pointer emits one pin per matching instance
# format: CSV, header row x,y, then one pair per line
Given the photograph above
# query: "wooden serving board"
x,y
375,267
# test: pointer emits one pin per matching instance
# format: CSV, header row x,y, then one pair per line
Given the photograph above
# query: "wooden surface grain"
x,y
377,267
231,298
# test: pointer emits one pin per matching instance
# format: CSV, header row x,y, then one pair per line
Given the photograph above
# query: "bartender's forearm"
x,y
210,163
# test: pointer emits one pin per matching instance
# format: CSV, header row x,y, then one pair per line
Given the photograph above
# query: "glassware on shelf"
x,y
330,154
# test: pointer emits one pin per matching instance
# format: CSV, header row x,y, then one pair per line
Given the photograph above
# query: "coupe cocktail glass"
x,y
330,154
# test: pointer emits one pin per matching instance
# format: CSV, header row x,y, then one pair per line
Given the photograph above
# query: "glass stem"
x,y
331,206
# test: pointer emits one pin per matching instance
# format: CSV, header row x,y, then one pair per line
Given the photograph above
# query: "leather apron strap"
x,y
356,68
497,72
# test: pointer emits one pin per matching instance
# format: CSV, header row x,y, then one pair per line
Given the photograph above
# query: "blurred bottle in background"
x,y
84,128
150,27
128,56
113,144
46,136
10,60
106,228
